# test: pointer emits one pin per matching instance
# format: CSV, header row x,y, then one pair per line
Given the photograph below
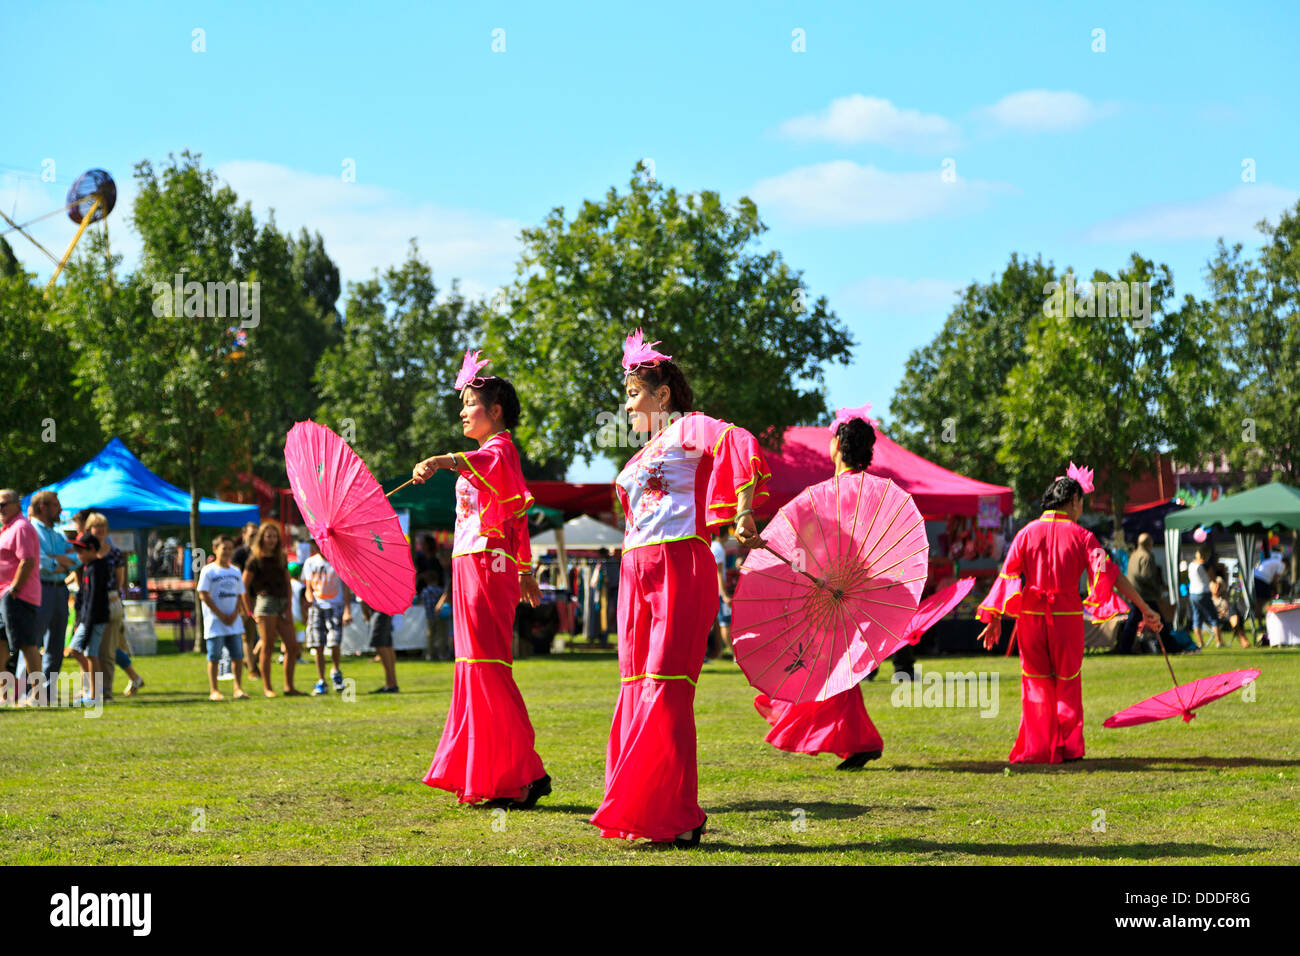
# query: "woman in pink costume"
x,y
486,751
693,472
839,724
1039,585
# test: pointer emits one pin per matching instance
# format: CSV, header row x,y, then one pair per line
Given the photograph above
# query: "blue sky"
x,y
1081,155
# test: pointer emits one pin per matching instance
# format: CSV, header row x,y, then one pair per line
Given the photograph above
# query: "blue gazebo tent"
x,y
117,484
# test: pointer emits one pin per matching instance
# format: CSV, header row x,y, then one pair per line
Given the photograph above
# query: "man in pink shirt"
x,y
20,585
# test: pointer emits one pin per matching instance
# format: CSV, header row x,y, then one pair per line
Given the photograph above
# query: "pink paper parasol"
x,y
1180,701
837,585
348,515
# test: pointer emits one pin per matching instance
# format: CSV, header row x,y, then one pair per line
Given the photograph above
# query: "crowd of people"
x,y
1217,604
39,564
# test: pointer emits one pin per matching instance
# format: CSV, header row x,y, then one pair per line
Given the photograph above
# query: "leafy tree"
x,y
1255,305
1107,392
48,428
738,321
9,264
165,372
297,324
946,407
389,383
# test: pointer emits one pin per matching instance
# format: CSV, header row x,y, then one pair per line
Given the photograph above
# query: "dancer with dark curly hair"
x,y
487,747
839,724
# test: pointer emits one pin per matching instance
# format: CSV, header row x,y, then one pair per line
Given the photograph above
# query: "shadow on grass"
x,y
1108,764
1115,851
820,811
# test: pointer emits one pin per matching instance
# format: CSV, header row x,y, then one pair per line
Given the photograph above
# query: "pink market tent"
x,y
804,460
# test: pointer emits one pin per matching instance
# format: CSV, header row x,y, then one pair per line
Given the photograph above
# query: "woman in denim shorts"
x,y
266,585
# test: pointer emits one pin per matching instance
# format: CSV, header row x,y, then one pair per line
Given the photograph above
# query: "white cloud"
x,y
368,227
894,295
1044,111
846,193
1232,215
869,119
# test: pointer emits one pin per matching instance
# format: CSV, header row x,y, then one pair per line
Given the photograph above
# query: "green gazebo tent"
x,y
1248,514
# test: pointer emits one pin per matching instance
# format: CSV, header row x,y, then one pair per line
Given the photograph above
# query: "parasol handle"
x,y
398,488
820,582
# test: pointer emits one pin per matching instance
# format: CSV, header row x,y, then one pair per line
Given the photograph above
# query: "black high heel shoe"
x,y
692,840
855,761
539,788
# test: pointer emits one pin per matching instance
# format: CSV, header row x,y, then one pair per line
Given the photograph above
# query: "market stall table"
x,y
1282,622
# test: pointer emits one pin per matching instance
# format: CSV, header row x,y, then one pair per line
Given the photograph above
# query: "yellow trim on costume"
x,y
1053,613
1025,673
718,444
664,541
1072,676
461,554
684,677
465,459
1003,574
1062,514
481,660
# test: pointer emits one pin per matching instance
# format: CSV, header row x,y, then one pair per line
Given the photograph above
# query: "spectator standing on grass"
x,y
113,652
1198,591
220,588
1145,575
719,549
58,557
240,558
329,610
92,613
20,585
434,596
381,639
267,589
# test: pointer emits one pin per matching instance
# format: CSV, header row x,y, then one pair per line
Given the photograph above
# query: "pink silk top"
x,y
1042,570
492,501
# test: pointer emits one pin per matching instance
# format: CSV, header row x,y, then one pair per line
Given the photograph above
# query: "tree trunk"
x,y
194,543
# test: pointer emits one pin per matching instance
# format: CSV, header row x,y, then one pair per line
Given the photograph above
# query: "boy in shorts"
x,y
329,610
220,585
381,639
92,615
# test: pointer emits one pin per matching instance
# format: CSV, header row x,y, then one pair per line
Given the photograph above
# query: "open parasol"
x,y
1182,699
833,592
349,517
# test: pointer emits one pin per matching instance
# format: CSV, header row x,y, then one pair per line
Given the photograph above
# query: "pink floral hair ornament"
x,y
469,370
848,414
1082,475
636,351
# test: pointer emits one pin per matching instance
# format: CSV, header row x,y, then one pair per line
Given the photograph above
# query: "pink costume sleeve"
x,y
738,463
503,496
1004,597
1102,603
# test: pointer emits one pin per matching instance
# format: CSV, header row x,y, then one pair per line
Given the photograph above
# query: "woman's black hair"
x,y
498,391
667,373
1060,493
857,443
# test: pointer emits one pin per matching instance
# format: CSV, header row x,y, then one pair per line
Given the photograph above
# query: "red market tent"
x,y
589,498
805,460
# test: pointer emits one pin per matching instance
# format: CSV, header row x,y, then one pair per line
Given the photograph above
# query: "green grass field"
x,y
169,777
